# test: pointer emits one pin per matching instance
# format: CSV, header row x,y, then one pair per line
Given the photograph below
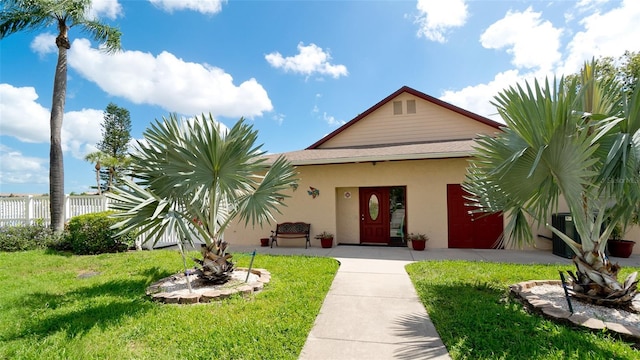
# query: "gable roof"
x,y
416,93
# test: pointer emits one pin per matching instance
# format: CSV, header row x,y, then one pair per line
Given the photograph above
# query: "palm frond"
x,y
546,153
108,36
196,177
20,15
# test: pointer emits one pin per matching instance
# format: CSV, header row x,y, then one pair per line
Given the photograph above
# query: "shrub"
x,y
92,234
27,237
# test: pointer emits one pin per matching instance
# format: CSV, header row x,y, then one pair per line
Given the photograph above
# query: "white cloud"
x,y
605,34
20,169
110,9
534,43
22,117
44,44
478,98
588,4
279,118
169,82
437,17
81,131
331,120
310,60
203,6
28,121
597,38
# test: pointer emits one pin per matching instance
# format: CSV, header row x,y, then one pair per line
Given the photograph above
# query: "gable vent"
x,y
411,106
397,108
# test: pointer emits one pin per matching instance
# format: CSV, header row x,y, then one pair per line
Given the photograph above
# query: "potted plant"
x,y
618,247
418,241
326,239
264,242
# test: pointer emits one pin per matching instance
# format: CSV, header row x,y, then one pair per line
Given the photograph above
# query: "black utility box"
x,y
564,223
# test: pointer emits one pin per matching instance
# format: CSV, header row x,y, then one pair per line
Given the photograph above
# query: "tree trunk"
x,y
112,172
56,164
98,177
596,281
215,265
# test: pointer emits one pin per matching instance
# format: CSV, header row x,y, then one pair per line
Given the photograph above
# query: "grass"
x,y
55,306
469,305
52,308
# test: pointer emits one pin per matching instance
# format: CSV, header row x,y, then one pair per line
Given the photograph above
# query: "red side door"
x,y
374,215
476,231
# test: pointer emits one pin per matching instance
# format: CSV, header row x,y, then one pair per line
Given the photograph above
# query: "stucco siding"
x,y
430,123
426,201
425,181
347,214
633,233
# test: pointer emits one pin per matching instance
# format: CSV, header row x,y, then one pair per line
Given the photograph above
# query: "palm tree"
x,y
194,178
114,167
578,141
98,158
19,15
118,168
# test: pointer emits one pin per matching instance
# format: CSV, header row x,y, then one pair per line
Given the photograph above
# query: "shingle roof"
x,y
432,150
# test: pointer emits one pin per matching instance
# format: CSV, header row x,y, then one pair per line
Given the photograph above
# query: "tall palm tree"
x,y
578,141
194,178
27,15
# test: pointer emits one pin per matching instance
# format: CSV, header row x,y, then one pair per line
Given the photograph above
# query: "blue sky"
x,y
296,69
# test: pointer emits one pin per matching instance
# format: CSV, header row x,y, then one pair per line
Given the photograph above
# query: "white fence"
x,y
29,210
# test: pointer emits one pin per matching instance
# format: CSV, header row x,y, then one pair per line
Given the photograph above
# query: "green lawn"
x,y
469,305
48,311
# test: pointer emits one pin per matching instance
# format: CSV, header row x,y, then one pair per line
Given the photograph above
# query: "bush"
x,y
28,237
92,234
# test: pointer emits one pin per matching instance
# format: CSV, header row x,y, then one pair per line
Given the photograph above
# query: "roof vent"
x,y
397,108
411,106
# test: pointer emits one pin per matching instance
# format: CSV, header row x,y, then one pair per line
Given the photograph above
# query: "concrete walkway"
x,y
372,310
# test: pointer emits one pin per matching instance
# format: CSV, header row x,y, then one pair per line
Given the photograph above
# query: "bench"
x,y
291,230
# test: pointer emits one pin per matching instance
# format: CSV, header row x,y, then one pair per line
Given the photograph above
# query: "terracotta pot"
x,y
418,245
264,242
620,248
326,242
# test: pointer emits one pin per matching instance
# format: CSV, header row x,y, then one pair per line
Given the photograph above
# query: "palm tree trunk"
x,y
112,172
97,167
56,164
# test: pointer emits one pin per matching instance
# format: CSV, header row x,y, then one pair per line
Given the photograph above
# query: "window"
x,y
374,207
411,106
397,108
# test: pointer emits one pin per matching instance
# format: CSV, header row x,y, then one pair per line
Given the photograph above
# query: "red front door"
x,y
477,231
374,215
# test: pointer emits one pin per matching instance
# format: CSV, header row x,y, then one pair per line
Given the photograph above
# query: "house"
x,y
394,169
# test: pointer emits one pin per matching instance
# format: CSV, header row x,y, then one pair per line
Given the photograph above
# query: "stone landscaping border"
x,y
246,289
533,302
